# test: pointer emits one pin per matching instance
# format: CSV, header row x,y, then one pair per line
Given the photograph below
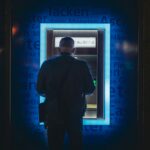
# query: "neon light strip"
x,y
106,27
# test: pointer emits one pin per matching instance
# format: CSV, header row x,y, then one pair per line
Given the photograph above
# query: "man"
x,y
65,80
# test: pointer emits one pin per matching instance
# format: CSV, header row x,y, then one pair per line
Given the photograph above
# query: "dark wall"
x,y
144,70
1,73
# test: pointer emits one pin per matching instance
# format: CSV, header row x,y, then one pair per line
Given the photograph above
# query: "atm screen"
x,y
87,49
80,42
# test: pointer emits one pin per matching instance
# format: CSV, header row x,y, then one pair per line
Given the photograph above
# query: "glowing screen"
x,y
80,42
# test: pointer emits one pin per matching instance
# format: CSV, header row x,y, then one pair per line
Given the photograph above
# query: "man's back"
x,y
78,81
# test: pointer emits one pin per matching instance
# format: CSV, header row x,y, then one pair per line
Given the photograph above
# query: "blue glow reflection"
x,y
106,27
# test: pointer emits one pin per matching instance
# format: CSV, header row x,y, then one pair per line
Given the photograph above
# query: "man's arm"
x,y
41,81
88,85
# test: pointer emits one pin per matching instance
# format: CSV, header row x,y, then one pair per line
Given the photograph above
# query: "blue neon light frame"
x,y
84,26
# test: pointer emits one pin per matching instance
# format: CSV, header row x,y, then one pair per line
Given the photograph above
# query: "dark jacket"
x,y
77,84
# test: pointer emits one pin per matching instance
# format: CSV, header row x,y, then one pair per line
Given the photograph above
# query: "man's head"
x,y
66,45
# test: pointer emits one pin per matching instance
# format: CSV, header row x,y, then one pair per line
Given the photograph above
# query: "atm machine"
x,y
89,49
92,43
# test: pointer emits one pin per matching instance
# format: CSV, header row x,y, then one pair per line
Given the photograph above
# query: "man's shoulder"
x,y
80,62
51,60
